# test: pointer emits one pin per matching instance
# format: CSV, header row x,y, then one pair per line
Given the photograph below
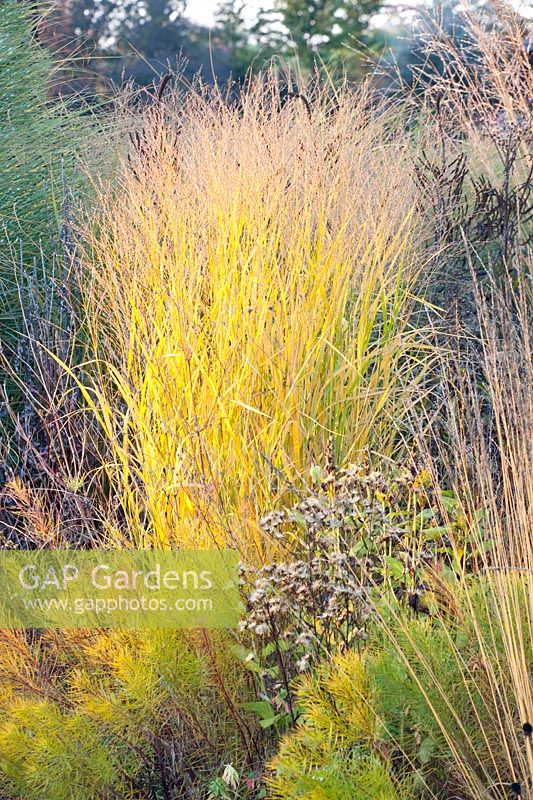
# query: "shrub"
x,y
333,753
126,714
357,532
49,752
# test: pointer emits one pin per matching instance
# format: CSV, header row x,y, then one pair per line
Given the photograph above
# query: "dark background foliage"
x,y
115,40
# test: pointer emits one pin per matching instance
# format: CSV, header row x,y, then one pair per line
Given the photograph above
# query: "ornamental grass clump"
x,y
40,142
249,295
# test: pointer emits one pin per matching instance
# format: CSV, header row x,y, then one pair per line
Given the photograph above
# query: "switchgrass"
x,y
249,300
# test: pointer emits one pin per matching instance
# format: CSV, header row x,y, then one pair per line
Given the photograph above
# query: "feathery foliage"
x,y
122,713
332,754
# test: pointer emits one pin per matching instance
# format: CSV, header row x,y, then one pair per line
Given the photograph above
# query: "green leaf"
x,y
435,533
267,723
395,566
261,707
449,501
316,473
426,750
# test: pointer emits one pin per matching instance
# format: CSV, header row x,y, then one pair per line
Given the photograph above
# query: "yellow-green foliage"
x,y
248,296
90,715
51,752
331,754
338,701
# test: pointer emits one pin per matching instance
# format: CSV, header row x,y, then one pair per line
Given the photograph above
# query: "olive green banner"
x,y
119,589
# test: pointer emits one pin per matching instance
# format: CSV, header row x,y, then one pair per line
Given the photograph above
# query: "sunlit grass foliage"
x,y
249,299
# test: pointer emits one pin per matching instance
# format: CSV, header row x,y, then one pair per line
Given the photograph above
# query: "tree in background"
x,y
118,39
149,35
140,39
318,31
232,36
75,31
